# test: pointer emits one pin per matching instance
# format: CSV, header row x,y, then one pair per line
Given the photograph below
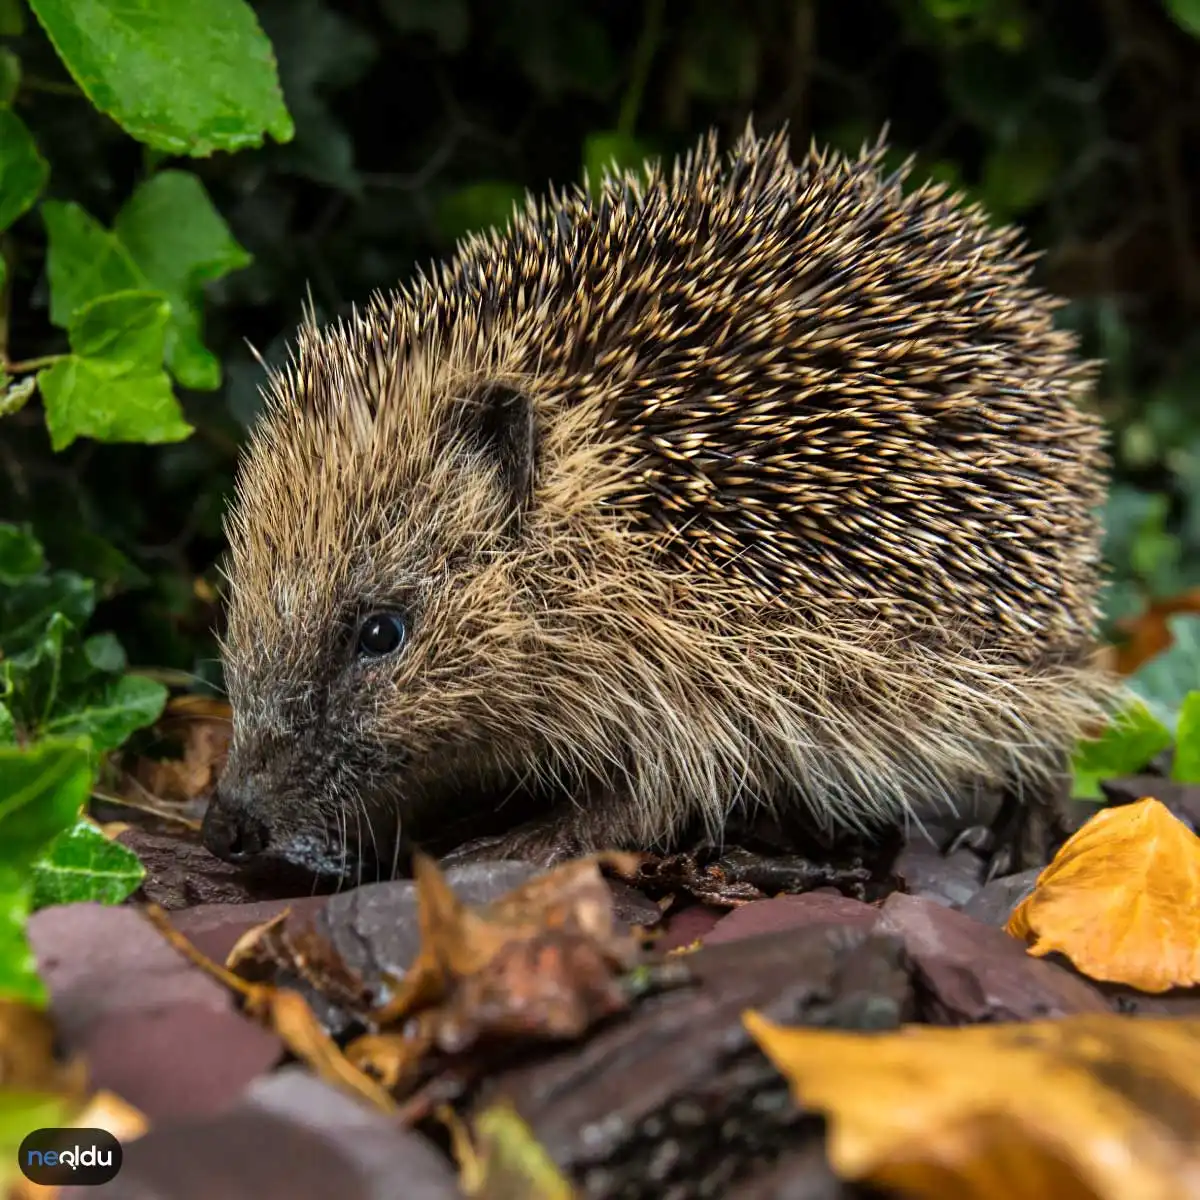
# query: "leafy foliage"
x,y
136,262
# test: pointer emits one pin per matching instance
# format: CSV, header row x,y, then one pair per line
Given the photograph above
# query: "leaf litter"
x,y
543,963
929,1111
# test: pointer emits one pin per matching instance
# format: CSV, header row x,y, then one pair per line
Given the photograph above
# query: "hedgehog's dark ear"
x,y
499,420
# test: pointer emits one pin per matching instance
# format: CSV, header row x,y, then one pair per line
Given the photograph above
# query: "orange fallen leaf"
x,y
1096,1107
1148,634
1121,900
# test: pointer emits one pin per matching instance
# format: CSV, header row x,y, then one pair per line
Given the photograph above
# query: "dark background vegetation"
x,y
420,119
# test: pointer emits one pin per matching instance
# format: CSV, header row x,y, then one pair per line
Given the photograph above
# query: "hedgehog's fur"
x,y
752,482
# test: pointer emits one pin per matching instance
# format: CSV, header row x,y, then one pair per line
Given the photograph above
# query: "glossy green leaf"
x,y
185,78
19,979
1185,14
21,1111
1165,681
113,388
84,261
27,609
82,864
604,153
23,171
1185,766
180,242
12,18
10,77
42,790
1131,740
476,207
21,555
109,714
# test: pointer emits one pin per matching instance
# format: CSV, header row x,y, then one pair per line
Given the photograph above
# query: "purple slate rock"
x,y
685,926
289,1137
994,903
156,1030
949,879
791,912
215,928
972,972
1183,799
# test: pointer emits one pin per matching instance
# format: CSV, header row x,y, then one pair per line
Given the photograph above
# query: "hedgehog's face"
x,y
377,634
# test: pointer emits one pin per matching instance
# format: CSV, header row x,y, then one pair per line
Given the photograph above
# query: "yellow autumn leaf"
x,y
1095,1107
1121,900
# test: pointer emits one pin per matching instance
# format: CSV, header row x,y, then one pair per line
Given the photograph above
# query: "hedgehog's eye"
x,y
380,634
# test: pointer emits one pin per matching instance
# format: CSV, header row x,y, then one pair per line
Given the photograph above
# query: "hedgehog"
x,y
756,483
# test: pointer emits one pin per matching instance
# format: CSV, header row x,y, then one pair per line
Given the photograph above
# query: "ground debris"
x,y
1121,900
740,875
941,1113
674,1101
543,962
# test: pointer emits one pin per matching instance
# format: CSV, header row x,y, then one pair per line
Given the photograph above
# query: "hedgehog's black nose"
x,y
231,830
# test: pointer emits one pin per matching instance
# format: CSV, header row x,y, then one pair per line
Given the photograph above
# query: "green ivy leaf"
x,y
1166,680
19,979
23,171
477,206
21,1111
113,388
84,261
179,241
12,18
108,714
10,76
26,610
31,679
185,78
82,864
42,791
14,396
1185,14
607,151
1185,766
1019,173
21,555
1131,740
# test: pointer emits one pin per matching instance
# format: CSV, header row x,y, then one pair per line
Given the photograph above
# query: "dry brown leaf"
x,y
287,1013
500,1159
27,1059
203,727
1097,1107
540,961
1121,900
1148,634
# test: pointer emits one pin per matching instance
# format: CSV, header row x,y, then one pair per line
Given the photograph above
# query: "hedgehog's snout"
x,y
234,827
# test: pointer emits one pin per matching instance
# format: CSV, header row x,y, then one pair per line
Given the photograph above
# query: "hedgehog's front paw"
x,y
542,843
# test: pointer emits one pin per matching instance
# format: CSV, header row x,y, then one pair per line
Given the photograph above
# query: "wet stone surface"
x,y
671,1101
288,1137
153,1028
968,972
1183,799
676,1101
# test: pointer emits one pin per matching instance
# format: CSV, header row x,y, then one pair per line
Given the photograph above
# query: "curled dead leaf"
x,y
1101,1107
1121,900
